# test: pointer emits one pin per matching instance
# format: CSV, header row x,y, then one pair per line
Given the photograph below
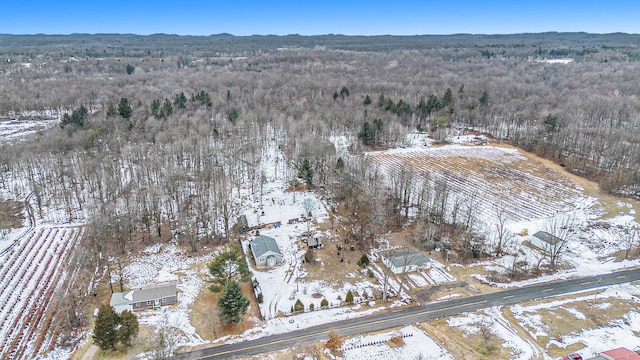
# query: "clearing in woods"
x,y
527,189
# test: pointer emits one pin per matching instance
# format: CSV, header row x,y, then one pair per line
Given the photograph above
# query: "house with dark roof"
x,y
406,261
546,241
265,251
144,298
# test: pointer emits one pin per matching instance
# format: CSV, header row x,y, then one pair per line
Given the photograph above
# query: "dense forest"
x,y
159,132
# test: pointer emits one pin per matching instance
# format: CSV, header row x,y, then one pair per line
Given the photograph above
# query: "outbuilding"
x,y
546,241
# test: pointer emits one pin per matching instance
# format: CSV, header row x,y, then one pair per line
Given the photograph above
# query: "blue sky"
x,y
373,17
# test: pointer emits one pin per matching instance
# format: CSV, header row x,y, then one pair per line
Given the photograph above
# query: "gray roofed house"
x,y
144,298
405,261
265,251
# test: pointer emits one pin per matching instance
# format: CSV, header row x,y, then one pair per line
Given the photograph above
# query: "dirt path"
x,y
90,352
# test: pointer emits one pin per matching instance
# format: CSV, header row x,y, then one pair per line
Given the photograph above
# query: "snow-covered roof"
x,y
263,244
144,294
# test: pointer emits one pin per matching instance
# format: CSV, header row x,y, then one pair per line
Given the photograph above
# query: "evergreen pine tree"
x,y
76,118
349,298
129,327
232,304
447,99
155,108
124,109
344,92
180,101
111,110
233,114
366,134
305,172
105,332
367,100
484,99
167,108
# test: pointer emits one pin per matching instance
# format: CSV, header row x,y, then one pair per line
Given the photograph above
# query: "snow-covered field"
x,y
13,129
30,271
416,345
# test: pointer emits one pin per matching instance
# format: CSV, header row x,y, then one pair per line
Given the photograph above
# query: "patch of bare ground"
x,y
204,315
633,254
327,264
465,346
563,321
11,214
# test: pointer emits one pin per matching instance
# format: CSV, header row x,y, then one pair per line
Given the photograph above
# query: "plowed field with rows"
x,y
498,176
29,274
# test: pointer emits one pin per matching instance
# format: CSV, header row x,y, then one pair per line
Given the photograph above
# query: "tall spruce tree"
x,y
232,304
128,327
366,134
124,109
105,333
306,172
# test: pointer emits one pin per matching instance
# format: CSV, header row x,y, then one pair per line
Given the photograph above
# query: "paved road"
x,y
415,314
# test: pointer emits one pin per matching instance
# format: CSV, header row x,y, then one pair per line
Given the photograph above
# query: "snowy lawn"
x,y
416,345
167,263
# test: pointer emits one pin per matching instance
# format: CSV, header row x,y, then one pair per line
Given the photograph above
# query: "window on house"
x,y
164,300
148,302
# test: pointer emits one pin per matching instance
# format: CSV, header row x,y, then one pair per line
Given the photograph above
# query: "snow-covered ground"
x,y
167,263
416,345
619,332
13,129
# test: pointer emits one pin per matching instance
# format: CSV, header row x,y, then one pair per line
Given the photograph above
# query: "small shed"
x,y
315,241
265,251
312,240
144,298
406,261
546,241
